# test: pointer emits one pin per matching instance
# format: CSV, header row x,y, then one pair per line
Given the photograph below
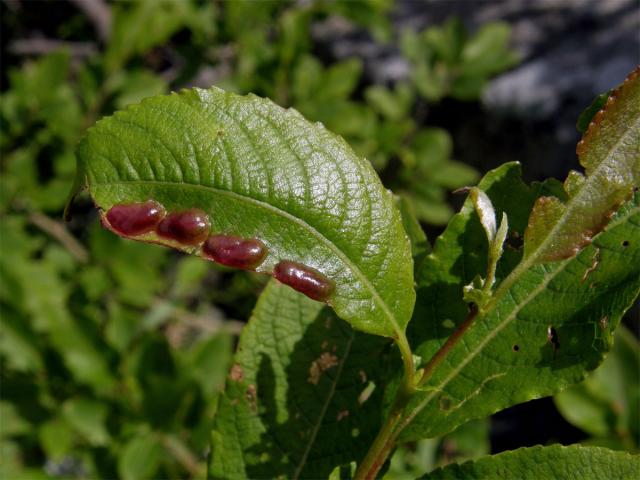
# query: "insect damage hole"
x,y
516,348
625,243
552,338
445,403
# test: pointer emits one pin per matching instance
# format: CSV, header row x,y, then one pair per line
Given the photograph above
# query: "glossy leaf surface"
x,y
259,171
304,393
553,462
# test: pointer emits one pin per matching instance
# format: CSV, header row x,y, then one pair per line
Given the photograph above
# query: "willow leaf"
x,y
610,154
548,322
260,171
304,393
505,357
541,463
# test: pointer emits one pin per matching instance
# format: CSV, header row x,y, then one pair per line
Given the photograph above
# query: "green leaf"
x,y
56,438
141,457
262,172
610,154
12,422
554,462
504,357
607,402
587,115
88,418
131,33
487,52
304,393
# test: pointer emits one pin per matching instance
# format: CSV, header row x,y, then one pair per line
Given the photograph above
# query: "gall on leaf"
x,y
132,219
304,279
189,227
237,252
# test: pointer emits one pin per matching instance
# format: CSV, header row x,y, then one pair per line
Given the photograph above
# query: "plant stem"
x,y
448,346
381,446
385,442
409,367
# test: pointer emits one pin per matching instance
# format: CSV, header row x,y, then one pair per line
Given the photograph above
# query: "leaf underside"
x,y
260,171
535,463
296,404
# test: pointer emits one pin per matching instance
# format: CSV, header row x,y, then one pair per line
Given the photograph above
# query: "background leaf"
x,y
557,462
607,404
303,395
262,172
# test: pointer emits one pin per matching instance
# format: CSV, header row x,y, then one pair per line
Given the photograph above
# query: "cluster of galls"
x,y
192,228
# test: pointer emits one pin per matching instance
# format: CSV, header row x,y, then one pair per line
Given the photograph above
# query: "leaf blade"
x,y
511,338
610,154
300,375
537,462
261,171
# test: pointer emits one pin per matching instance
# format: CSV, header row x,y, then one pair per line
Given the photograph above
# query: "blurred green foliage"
x,y
607,404
114,351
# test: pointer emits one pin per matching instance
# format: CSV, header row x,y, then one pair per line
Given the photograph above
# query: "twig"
x,y
183,455
58,231
99,13
42,46
448,345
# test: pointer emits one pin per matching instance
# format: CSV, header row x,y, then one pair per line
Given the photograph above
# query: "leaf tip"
x,y
613,99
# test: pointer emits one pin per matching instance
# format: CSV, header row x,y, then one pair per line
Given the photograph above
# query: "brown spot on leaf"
x,y
594,264
251,396
236,374
320,365
604,322
363,376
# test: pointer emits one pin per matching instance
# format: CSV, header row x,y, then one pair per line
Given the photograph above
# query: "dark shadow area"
x,y
327,407
536,422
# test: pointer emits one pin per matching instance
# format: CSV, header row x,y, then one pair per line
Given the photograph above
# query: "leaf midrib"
x,y
278,211
492,334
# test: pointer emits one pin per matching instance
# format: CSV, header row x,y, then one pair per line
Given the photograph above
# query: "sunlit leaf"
x,y
262,172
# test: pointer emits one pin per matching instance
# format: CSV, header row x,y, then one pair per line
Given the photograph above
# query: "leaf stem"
x,y
386,440
382,446
407,360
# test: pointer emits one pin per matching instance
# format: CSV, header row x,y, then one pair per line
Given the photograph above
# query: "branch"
x,y
99,14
